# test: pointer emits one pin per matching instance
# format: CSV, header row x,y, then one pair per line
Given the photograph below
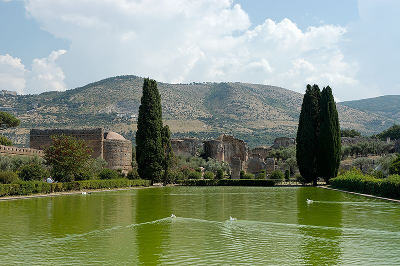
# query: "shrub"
x,y
262,175
195,175
209,175
31,187
248,176
394,168
287,174
133,174
357,182
109,174
5,141
242,174
277,175
300,178
33,171
220,174
8,177
175,176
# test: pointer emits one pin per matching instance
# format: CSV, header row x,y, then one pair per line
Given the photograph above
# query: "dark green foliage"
x,y
175,175
67,157
307,134
133,174
300,179
393,132
194,175
14,163
394,168
261,176
8,120
241,175
329,142
355,181
5,141
8,177
109,174
351,133
33,171
227,182
287,174
149,150
209,175
168,153
32,187
365,148
248,176
277,175
219,174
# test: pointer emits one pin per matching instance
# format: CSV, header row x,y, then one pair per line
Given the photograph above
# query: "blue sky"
x,y
348,44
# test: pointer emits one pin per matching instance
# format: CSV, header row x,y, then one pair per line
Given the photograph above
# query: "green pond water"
x,y
273,226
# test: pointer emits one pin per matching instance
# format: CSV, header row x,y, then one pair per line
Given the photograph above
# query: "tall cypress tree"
x,y
307,135
149,151
329,137
168,154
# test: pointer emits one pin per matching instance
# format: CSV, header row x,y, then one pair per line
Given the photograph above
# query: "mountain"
x,y
388,105
253,112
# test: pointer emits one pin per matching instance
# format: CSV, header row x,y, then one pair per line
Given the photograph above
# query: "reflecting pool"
x,y
272,226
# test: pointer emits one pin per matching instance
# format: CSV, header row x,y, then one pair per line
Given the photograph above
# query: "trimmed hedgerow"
x,y
357,182
227,182
34,187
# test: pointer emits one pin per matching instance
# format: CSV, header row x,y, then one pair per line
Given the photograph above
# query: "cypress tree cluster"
x,y
168,154
307,134
149,149
318,135
329,137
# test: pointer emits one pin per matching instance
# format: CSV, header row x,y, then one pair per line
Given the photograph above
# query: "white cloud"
x,y
189,40
12,73
45,74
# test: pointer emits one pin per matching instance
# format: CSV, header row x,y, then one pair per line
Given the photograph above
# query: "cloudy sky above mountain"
x,y
348,44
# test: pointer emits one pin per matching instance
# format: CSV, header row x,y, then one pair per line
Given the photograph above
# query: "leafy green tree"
x,y
393,132
168,154
351,133
329,142
33,171
395,166
67,156
307,135
149,150
7,120
5,141
220,174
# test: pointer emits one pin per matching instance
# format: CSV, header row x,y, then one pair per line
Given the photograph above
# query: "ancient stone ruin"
x,y
110,146
10,150
228,149
283,142
187,146
233,151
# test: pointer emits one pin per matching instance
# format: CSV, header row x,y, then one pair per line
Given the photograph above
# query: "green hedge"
x,y
34,187
227,182
357,182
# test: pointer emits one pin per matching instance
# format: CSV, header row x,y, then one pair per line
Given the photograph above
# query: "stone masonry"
x,y
187,146
110,146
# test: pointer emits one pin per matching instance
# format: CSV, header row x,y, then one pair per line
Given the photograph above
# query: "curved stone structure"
x,y
110,146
